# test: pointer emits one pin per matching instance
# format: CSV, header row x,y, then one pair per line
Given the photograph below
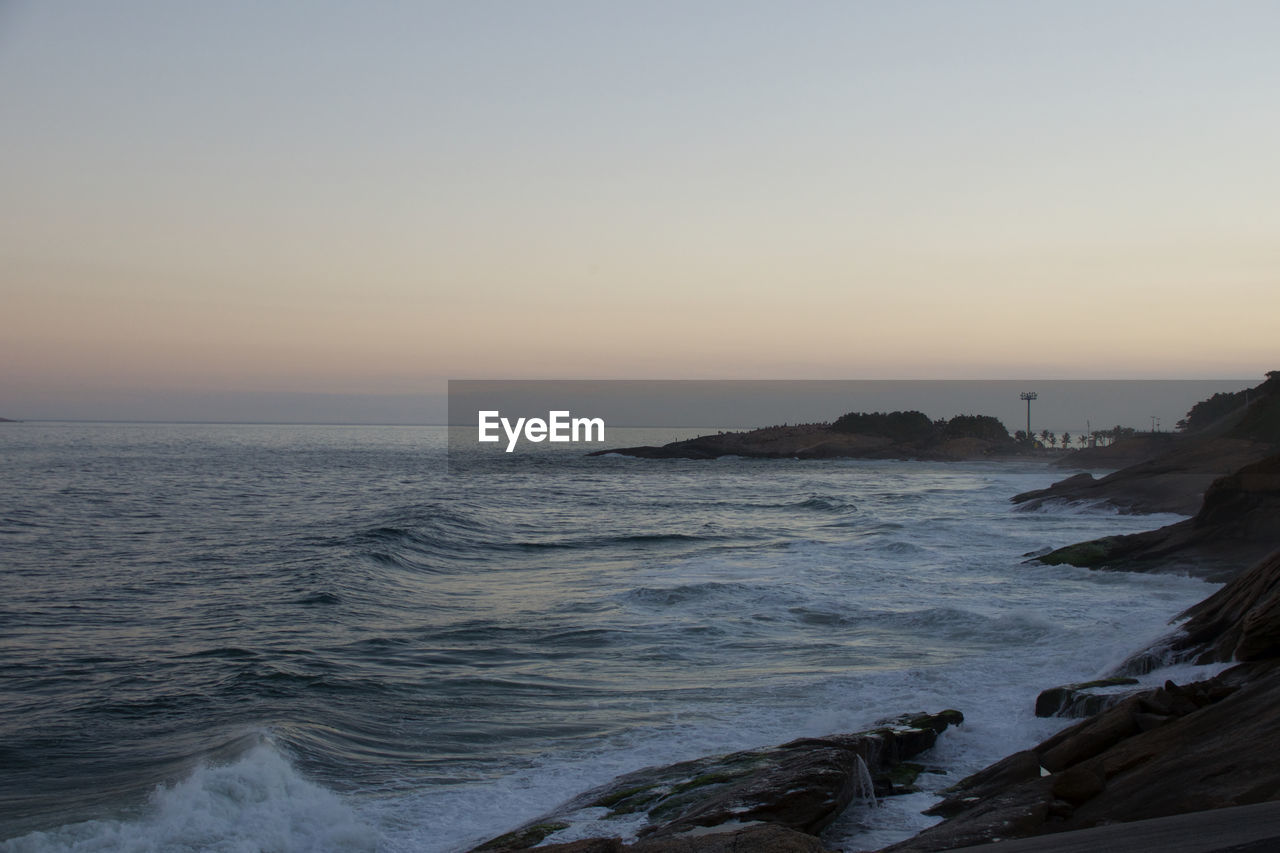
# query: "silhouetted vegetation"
x,y
915,427
899,426
1220,405
1207,411
976,426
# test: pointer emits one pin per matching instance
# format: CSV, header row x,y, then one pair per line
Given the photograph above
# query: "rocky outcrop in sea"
x,y
1237,523
785,795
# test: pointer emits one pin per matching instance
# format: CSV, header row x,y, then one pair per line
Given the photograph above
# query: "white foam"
x,y
257,804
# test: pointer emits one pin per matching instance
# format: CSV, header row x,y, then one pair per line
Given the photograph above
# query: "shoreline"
x,y
1099,770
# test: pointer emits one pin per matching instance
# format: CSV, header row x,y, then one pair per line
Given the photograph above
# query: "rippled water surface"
x,y
322,638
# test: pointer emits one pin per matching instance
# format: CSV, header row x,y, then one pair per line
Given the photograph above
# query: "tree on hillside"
x,y
899,426
1207,411
984,427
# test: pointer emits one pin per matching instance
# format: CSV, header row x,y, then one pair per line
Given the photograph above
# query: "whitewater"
x,y
247,637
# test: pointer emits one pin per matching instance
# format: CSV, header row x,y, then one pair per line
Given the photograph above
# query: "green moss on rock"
x,y
702,781
527,836
904,774
1086,555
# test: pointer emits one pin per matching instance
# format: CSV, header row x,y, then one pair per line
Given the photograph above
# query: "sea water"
x,y
247,637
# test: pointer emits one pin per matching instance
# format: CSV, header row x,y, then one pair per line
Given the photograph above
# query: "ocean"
x,y
287,638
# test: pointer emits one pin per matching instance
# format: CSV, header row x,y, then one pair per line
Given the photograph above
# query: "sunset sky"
x,y
307,201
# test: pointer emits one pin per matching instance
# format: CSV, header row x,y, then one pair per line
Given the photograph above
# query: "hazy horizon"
x,y
1062,405
302,211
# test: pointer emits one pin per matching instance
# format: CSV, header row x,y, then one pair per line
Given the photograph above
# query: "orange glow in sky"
x,y
321,198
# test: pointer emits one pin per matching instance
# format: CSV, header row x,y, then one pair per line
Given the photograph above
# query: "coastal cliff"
x,y
1237,523
1226,476
1172,475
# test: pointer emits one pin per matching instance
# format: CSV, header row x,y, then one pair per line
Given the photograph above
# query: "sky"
x,y
305,210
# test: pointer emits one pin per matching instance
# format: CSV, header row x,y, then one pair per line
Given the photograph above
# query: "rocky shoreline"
x,y
786,795
1137,754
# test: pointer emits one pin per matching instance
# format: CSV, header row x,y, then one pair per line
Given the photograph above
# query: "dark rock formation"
x,y
764,838
1237,524
1084,699
1127,451
1174,480
760,838
1239,622
800,787
1162,752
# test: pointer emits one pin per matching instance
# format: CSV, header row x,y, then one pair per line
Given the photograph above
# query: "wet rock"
x,y
1172,482
1082,700
763,838
802,785
1215,748
1090,738
523,838
586,845
1006,773
1237,524
899,779
1241,621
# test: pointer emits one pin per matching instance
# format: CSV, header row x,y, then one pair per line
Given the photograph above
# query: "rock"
x,y
1175,480
1146,722
1241,621
1129,450
763,838
1090,738
1260,631
586,845
804,788
1009,771
1082,700
1217,748
523,838
1012,813
1078,784
802,785
899,779
1237,525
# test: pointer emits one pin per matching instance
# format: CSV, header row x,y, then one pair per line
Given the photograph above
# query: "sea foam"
x,y
258,803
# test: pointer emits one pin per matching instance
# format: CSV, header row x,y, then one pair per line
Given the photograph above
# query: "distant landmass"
x,y
857,435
